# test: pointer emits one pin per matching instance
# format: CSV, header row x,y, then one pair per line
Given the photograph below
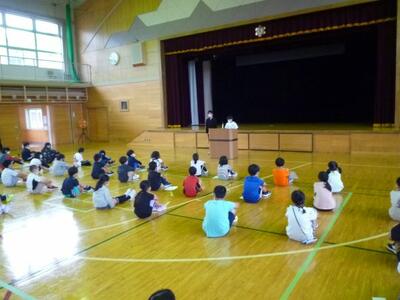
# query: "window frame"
x,y
28,123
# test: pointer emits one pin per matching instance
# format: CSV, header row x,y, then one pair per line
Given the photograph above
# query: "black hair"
x,y
279,162
223,160
81,149
123,160
220,191
144,185
46,145
72,171
324,176
60,156
36,155
398,181
210,111
229,117
195,157
130,152
165,294
192,171
298,199
25,144
253,169
334,166
33,168
152,166
7,163
102,152
5,149
155,155
103,179
97,157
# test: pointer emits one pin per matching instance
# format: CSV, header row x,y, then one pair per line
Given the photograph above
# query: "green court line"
x,y
21,294
312,254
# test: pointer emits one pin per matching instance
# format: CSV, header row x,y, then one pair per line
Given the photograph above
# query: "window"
x,y
30,41
124,105
34,119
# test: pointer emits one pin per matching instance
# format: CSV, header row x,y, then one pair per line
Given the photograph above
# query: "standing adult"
x,y
210,121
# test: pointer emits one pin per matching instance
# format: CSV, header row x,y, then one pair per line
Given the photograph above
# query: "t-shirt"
x,y
252,189
143,205
281,176
59,167
35,162
216,220
231,125
97,170
32,181
78,157
102,198
9,177
133,162
210,123
323,198
123,172
224,172
191,185
199,165
335,180
299,226
26,154
394,210
155,180
68,185
158,162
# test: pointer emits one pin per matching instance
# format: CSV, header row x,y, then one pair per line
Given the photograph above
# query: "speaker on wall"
x,y
138,54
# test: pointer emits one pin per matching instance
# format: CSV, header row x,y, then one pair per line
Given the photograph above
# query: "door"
x,y
35,124
98,124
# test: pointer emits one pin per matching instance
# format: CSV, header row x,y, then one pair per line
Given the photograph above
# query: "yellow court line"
x,y
223,258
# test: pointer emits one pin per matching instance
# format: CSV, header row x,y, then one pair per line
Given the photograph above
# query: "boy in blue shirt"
x,y
220,214
71,187
133,161
254,187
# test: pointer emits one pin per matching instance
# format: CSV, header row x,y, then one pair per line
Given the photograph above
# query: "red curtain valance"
x,y
339,18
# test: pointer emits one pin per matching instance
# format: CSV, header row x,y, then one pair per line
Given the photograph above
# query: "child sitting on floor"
x,y
71,187
36,184
26,152
395,246
156,157
106,160
158,181
102,198
78,159
37,161
99,168
145,202
323,198
200,165
4,203
59,165
9,176
224,171
133,161
394,211
220,214
192,184
125,172
335,177
6,155
282,176
48,154
302,221
254,188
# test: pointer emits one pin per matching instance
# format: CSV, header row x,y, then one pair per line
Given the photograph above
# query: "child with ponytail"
x,y
323,197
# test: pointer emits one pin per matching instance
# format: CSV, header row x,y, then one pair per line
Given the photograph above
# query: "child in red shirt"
x,y
192,184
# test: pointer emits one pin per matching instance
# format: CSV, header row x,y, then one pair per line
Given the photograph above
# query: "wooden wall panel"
x,y
154,138
338,143
296,142
9,126
202,140
98,124
185,140
264,141
375,142
243,141
61,124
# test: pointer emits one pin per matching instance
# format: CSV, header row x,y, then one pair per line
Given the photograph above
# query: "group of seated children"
x,y
394,213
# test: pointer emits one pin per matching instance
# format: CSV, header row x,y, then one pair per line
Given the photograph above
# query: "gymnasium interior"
x,y
308,81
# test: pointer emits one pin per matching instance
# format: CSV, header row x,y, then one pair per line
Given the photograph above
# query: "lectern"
x,y
223,142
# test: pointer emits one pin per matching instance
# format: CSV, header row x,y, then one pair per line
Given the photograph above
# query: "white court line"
x,y
223,258
68,208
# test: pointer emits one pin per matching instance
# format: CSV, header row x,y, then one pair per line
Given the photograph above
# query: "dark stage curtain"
x,y
200,91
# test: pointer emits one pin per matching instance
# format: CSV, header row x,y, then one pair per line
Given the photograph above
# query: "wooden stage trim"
x,y
289,140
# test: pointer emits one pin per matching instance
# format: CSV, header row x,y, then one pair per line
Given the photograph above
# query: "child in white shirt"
x,y
78,159
231,124
200,165
302,221
36,184
394,211
156,157
335,177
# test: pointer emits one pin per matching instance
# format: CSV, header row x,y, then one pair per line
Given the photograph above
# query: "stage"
x,y
319,138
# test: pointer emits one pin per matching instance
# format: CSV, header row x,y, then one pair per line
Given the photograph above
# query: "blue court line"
x,y
20,293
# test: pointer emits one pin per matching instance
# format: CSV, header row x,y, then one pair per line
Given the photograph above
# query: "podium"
x,y
223,142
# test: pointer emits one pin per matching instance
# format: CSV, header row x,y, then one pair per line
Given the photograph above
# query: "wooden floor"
x,y
55,248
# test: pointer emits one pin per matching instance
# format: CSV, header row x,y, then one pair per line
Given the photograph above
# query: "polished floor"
x,y
56,248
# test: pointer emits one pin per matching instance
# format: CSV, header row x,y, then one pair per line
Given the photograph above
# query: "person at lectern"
x,y
230,124
211,122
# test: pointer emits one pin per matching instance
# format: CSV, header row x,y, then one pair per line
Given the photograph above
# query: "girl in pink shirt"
x,y
323,197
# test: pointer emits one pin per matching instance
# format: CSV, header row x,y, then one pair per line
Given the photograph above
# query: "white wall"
x,y
43,8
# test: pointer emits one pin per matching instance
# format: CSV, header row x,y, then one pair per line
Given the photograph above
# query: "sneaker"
x,y
7,199
391,248
267,195
130,193
160,208
241,198
170,187
236,220
311,241
135,177
110,174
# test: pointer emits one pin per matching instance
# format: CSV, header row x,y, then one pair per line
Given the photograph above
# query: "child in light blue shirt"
x,y
220,214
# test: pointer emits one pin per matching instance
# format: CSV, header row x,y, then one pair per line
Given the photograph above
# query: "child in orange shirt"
x,y
192,184
282,175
